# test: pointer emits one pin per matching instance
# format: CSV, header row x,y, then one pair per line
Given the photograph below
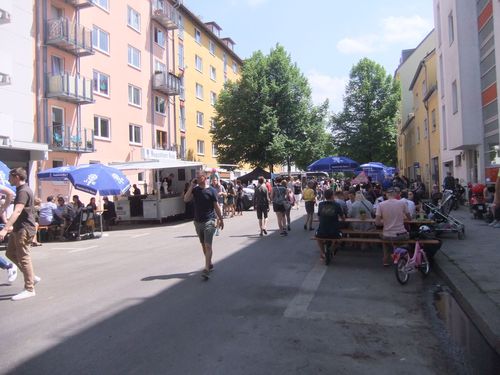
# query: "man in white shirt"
x,y
411,205
391,214
46,216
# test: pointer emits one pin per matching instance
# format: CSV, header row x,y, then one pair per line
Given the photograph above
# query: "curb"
x,y
481,310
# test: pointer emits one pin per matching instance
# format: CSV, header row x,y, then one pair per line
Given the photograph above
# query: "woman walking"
x,y
278,197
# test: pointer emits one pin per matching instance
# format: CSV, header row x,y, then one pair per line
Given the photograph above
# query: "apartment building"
x,y
20,144
206,62
412,156
467,88
126,81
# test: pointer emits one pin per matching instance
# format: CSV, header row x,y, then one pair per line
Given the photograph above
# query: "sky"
x,y
325,38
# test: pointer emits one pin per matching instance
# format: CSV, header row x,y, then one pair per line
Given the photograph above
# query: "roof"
x,y
155,164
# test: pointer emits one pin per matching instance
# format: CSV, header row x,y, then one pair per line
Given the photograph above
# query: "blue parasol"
x,y
334,164
4,177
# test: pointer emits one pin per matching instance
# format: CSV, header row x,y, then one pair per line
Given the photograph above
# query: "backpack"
x,y
279,195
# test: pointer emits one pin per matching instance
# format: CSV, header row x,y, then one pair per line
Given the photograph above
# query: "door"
x,y
57,126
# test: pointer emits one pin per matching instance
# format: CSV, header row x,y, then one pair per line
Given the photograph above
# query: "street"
x,y
133,302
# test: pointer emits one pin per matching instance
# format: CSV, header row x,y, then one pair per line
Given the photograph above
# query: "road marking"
x,y
82,249
140,235
297,308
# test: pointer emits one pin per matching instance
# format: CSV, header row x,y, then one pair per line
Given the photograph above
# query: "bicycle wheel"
x,y
327,249
402,274
425,266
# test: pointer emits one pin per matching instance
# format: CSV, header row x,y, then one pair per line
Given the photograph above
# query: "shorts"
x,y
310,207
205,231
262,211
400,236
278,207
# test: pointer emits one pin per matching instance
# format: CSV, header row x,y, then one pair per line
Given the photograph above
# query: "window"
x,y
100,39
135,134
183,148
199,91
235,67
104,4
160,67
224,59
212,123
454,93
451,31
426,128
102,127
181,56
181,27
133,19
159,37
214,150
197,36
134,95
211,47
101,83
160,105
213,98
161,139
57,163
57,64
182,118
200,147
199,119
433,119
198,63
182,91
213,73
134,57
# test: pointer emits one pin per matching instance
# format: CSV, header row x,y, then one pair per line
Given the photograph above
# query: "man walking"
x,y
206,210
23,221
261,201
9,267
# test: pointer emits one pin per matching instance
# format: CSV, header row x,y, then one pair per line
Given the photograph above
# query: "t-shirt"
x,y
204,199
393,213
46,215
261,196
26,219
329,213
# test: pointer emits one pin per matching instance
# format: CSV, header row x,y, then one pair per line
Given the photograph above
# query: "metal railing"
x,y
80,3
71,88
68,138
167,83
69,36
165,14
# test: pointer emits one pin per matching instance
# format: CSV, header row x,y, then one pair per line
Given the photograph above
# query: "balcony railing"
x,y
70,37
165,14
81,3
67,138
69,88
167,83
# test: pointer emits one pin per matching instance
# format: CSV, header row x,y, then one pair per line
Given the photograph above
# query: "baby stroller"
x,y
445,223
82,225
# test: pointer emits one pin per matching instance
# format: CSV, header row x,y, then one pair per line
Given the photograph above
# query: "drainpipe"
x,y
44,72
151,32
78,106
426,105
39,135
174,99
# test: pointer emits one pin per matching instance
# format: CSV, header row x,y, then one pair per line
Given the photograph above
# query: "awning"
x,y
155,164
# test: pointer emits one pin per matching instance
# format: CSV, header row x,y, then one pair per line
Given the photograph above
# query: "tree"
x,y
365,130
267,117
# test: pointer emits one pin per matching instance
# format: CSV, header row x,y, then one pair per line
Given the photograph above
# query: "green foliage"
x,y
267,117
365,130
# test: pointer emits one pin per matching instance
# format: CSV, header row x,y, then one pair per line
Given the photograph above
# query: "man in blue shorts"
x,y
207,216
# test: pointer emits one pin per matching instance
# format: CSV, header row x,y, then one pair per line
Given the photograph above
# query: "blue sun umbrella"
x,y
56,174
4,177
334,164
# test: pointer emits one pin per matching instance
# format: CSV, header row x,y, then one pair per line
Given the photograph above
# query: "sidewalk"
x,y
470,267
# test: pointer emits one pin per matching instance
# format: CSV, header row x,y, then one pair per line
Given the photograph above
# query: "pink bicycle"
x,y
406,265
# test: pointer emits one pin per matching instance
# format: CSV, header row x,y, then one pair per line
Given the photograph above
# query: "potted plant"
x,y
362,214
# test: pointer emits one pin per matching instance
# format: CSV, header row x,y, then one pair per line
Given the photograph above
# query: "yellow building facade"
x,y
206,62
418,139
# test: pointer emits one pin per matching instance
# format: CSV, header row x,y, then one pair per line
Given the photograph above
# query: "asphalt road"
x,y
133,302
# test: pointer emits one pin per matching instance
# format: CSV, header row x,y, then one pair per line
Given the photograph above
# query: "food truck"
x,y
164,197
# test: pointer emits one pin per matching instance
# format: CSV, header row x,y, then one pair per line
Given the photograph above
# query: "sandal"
x,y
36,244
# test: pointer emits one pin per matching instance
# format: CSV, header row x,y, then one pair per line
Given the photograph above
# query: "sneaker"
x,y
288,228
12,274
282,234
23,295
36,280
265,231
497,225
493,223
205,275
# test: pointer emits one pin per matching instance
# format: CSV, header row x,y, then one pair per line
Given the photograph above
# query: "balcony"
x,y
4,17
69,36
165,14
167,83
79,4
69,88
5,79
66,138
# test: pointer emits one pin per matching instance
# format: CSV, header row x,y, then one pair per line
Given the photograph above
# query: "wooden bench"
x,y
377,240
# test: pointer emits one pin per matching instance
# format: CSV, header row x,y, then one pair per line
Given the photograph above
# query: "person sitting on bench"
x,y
329,213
